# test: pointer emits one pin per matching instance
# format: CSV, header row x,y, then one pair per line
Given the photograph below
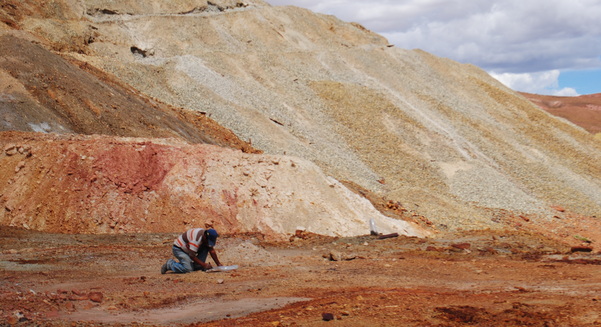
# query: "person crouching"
x,y
191,249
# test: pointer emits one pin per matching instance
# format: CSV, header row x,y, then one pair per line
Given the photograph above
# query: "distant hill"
x,y
584,110
426,139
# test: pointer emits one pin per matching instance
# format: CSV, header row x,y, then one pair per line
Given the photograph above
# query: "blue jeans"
x,y
186,264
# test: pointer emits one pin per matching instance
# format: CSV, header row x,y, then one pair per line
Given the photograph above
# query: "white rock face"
x,y
276,194
107,185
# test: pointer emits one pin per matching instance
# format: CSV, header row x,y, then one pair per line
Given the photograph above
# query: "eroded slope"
x,y
444,139
102,184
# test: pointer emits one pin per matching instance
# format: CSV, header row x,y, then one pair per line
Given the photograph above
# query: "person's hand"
x,y
208,266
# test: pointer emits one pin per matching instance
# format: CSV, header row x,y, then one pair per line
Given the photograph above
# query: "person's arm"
x,y
205,265
194,258
214,256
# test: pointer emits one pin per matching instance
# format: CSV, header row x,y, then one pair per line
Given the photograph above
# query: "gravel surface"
x,y
492,278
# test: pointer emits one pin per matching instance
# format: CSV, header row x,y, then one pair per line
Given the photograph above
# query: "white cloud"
x,y
538,83
511,35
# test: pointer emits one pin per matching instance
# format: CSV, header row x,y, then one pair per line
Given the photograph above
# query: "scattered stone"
x,y
461,246
78,292
96,297
490,250
19,166
581,249
301,233
70,306
88,305
434,249
327,316
10,150
558,208
339,256
220,281
335,255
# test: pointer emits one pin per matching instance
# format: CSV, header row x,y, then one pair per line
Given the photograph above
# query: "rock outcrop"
x,y
96,184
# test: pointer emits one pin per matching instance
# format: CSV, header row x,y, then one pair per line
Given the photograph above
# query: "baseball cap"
x,y
212,237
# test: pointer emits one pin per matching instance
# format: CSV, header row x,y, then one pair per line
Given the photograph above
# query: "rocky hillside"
x,y
437,139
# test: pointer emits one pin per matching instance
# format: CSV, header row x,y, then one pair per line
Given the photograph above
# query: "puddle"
x,y
198,312
12,265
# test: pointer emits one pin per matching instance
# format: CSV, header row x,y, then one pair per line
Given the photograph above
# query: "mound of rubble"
x,y
439,139
95,184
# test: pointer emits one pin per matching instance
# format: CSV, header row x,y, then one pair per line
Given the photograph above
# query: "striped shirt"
x,y
190,239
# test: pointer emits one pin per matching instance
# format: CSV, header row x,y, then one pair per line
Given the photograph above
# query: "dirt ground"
x,y
584,110
474,278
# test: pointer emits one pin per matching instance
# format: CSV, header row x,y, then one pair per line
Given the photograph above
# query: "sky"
x,y
550,47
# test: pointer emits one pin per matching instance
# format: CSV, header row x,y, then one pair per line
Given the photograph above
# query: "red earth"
x,y
502,278
584,110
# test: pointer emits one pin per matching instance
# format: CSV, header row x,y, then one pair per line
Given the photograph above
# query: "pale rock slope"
x,y
444,139
94,184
